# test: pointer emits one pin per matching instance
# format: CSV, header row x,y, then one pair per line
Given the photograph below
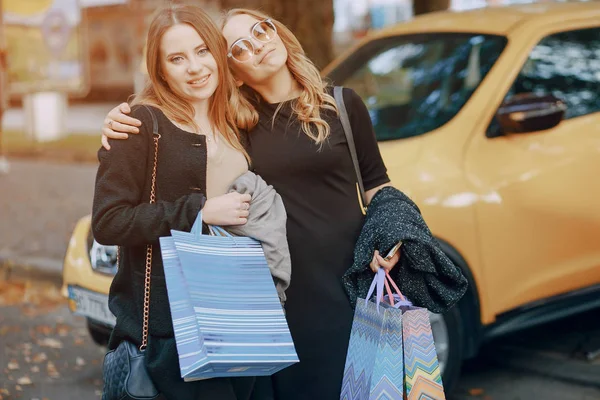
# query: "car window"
x,y
566,65
415,84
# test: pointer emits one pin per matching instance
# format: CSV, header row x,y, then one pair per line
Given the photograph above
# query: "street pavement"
x,y
80,118
45,352
40,203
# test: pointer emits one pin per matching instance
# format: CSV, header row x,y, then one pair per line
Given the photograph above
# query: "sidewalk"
x,y
81,118
40,203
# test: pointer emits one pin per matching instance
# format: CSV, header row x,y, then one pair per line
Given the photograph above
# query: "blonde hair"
x,y
313,98
226,100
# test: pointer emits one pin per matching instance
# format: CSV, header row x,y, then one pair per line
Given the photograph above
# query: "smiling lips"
x,y
200,82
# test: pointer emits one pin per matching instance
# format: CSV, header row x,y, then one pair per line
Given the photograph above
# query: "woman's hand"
x,y
380,262
228,209
117,125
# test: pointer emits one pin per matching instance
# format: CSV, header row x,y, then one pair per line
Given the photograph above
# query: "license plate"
x,y
90,304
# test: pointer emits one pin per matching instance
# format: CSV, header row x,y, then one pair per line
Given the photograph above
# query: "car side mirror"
x,y
530,112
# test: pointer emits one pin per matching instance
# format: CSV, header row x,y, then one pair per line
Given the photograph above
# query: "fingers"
x,y
119,127
374,263
241,221
243,213
105,142
387,265
118,115
246,198
124,107
380,262
113,135
244,204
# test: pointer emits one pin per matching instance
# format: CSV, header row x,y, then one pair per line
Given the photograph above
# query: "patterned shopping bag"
x,y
227,317
422,377
374,363
391,354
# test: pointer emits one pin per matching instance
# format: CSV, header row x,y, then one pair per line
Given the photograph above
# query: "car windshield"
x,y
415,84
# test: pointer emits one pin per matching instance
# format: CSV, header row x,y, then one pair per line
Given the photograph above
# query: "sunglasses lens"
x,y
242,50
264,31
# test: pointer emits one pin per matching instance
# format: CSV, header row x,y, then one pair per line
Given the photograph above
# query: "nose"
x,y
258,45
194,66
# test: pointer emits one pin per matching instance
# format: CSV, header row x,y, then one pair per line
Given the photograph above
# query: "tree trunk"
x,y
310,20
427,6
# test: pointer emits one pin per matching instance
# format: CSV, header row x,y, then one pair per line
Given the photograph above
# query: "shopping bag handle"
x,y
401,300
383,279
390,281
197,228
378,283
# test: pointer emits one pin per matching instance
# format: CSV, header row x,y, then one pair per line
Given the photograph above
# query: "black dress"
x,y
324,221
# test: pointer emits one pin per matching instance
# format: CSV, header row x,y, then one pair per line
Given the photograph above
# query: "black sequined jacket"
x,y
424,273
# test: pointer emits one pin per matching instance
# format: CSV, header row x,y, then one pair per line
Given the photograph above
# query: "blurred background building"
x,y
113,32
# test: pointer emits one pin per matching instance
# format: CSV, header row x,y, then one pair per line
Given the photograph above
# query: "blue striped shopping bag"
x,y
227,317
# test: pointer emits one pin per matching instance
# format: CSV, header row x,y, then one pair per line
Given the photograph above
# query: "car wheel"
x,y
447,335
100,333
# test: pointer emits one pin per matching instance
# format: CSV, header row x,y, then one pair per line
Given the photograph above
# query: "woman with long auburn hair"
x,y
155,182
298,146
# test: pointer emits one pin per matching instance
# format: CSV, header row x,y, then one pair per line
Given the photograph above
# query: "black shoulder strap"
x,y
154,121
339,99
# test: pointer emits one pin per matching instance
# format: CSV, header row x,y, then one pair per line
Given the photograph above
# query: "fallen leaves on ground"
x,y
51,343
52,371
34,298
25,380
39,358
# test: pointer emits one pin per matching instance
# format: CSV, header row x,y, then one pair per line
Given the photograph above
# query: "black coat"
x,y
424,273
123,216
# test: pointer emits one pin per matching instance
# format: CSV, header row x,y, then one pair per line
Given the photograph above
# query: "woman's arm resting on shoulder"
x,y
118,125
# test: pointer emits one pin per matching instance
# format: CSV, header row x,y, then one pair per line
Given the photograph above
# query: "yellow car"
x,y
490,121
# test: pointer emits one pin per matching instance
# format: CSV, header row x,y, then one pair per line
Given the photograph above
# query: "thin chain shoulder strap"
x,y
155,137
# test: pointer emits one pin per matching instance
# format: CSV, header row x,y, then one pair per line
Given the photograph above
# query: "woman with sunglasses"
x,y
299,147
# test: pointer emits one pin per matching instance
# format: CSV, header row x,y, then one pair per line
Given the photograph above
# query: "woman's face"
x,y
188,67
268,58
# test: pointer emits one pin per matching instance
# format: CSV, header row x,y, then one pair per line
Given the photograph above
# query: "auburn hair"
x,y
313,98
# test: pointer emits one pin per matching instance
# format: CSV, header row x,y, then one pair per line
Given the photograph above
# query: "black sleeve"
x,y
122,214
372,168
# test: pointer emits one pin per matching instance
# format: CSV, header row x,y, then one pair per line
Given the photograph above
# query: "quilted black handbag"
x,y
124,371
125,375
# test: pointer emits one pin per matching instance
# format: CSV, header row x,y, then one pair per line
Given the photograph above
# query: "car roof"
x,y
495,20
490,20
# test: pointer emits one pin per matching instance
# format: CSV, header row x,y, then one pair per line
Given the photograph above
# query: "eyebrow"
x,y
181,52
246,37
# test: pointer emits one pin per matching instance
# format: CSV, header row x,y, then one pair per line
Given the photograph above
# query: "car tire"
x,y
99,332
448,333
